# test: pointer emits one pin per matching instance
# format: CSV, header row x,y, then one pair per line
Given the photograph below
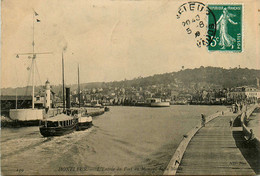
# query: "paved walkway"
x,y
219,150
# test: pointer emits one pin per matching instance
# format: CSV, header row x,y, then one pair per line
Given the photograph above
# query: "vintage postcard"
x,y
124,87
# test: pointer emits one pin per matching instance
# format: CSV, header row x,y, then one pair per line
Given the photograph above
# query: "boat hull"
x,y
57,131
83,126
160,104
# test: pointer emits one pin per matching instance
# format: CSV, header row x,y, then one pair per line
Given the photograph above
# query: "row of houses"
x,y
121,95
244,92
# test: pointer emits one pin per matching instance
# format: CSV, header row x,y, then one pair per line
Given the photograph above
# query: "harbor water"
x,y
125,140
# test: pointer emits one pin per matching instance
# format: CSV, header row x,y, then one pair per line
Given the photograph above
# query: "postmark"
x,y
194,18
229,27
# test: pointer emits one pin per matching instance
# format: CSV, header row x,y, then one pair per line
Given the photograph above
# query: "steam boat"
x,y
84,121
57,126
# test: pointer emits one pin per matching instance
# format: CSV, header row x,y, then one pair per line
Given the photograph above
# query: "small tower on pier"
x,y
47,96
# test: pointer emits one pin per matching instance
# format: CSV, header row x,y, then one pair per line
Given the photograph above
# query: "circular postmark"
x,y
198,21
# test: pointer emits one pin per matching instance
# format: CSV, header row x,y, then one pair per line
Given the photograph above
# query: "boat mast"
x,y
78,87
16,98
33,62
33,57
63,84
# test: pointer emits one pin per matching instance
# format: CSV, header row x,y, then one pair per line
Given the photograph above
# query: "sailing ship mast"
x,y
16,101
33,57
63,84
33,62
78,87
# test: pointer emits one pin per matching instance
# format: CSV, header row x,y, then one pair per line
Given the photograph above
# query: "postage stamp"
x,y
194,19
229,27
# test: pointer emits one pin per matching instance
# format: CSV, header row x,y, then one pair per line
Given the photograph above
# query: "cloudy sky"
x,y
110,40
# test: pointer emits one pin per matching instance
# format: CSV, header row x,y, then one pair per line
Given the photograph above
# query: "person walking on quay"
x,y
231,122
203,120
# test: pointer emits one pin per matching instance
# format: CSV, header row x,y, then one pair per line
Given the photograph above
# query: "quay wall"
x,y
177,157
26,114
246,130
40,114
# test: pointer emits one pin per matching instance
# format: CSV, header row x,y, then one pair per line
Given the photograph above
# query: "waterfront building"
x,y
24,101
251,92
237,94
13,101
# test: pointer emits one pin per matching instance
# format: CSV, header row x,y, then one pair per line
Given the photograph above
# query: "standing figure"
x,y
225,39
231,122
203,120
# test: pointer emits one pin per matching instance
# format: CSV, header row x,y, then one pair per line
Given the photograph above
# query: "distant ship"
x,y
97,105
157,102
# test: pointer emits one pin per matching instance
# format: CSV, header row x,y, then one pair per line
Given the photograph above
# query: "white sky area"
x,y
110,40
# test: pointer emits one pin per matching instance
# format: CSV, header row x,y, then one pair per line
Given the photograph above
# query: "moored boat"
x,y
95,111
157,102
97,105
57,126
160,104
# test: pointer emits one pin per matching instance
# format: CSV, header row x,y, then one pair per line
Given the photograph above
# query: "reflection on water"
x,y
125,140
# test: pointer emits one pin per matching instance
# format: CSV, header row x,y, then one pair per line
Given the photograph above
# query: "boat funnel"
x,y
67,97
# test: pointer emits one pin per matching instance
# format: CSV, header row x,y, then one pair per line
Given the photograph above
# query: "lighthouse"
x,y
47,96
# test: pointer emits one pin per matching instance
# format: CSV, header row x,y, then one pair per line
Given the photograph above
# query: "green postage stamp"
x,y
228,35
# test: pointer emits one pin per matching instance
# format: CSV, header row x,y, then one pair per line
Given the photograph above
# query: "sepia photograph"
x,y
130,87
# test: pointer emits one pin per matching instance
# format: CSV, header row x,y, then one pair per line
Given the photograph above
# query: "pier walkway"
x,y
217,149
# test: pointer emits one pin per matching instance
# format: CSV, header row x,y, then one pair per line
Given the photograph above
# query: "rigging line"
x,y
29,78
33,33
28,81
16,99
38,73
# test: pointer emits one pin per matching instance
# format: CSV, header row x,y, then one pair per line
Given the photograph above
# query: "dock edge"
x,y
177,157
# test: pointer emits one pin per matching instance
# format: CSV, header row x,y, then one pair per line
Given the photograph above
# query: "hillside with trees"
x,y
196,79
